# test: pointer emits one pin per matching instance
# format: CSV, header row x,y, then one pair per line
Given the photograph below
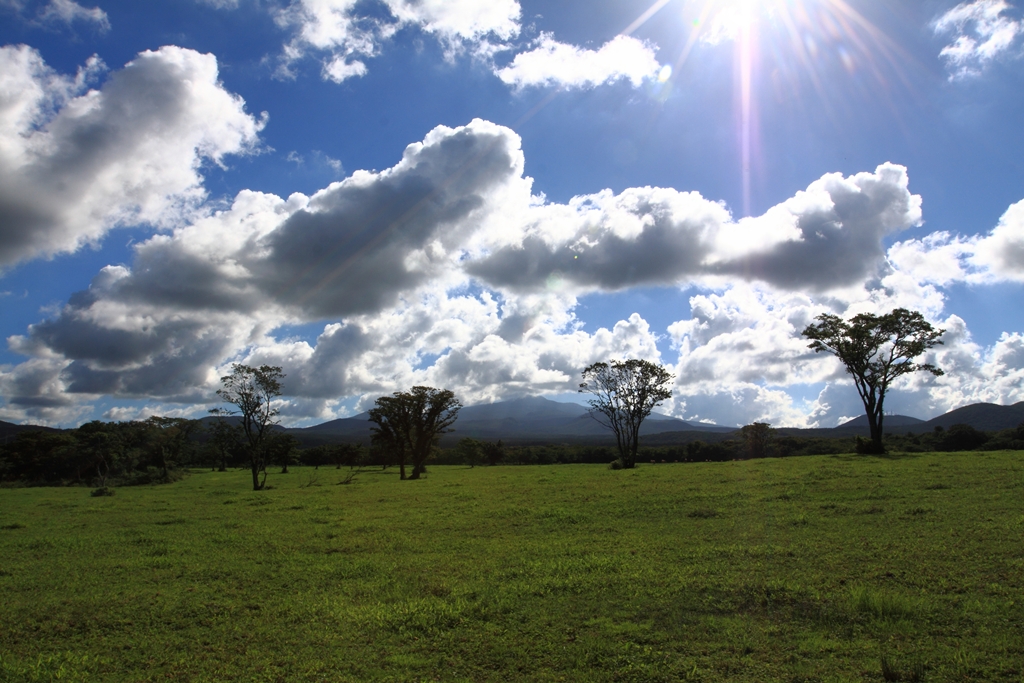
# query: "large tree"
x,y
252,391
625,393
171,440
876,350
758,439
410,423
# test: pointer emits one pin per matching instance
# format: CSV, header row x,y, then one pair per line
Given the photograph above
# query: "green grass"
x,y
838,568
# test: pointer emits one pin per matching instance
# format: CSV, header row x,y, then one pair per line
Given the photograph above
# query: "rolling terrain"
x,y
540,420
823,568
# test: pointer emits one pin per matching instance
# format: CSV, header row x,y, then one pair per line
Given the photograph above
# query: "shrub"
x,y
869,447
962,437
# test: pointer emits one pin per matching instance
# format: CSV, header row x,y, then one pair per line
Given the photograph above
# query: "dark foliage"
x,y
409,424
876,350
252,391
337,455
961,437
624,394
103,453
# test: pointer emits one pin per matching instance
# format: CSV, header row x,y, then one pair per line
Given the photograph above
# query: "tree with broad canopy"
x,y
876,350
410,423
758,438
625,393
252,391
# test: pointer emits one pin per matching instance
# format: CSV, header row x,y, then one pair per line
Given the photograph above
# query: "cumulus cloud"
x,y
197,296
77,164
982,32
69,11
460,19
348,31
446,270
824,238
345,33
742,359
1001,252
943,259
551,63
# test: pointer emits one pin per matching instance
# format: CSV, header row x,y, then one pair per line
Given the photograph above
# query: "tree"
x,y
252,391
493,452
281,449
963,437
625,393
469,452
410,423
171,440
876,350
224,439
388,437
758,438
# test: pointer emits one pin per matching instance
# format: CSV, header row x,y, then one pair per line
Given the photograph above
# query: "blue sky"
x,y
491,195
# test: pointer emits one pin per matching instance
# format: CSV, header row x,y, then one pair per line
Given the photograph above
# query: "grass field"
x,y
803,569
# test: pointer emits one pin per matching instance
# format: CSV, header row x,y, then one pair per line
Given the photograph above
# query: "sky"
x,y
490,195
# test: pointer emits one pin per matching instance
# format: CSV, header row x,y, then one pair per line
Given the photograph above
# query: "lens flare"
x,y
807,42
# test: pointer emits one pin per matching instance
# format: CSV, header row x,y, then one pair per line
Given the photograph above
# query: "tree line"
x,y
875,350
128,453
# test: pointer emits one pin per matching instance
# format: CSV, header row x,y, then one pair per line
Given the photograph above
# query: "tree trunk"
x,y
875,426
417,469
632,446
256,484
401,470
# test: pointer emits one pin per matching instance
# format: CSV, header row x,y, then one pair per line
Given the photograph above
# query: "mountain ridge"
x,y
536,419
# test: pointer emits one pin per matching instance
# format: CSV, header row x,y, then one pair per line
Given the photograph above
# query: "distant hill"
x,y
987,417
8,430
888,421
540,420
531,419
984,416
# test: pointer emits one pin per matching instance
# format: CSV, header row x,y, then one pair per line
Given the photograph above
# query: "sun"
x,y
728,19
813,50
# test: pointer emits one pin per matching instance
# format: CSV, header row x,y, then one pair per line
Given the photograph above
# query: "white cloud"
x,y
1001,252
339,69
446,270
77,165
552,63
69,11
982,32
944,259
468,20
347,33
825,238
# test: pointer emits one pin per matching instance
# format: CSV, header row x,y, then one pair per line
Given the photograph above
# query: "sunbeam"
x,y
801,44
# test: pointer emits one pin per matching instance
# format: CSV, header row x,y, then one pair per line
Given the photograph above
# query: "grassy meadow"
x,y
830,568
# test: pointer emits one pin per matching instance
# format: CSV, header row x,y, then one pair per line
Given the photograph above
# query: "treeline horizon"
x,y
160,450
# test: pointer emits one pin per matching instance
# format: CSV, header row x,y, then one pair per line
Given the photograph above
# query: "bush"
x,y
868,447
962,437
102,491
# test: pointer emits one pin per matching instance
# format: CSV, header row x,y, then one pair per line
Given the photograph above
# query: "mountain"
x,y
8,430
984,416
533,418
889,421
987,417
537,419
